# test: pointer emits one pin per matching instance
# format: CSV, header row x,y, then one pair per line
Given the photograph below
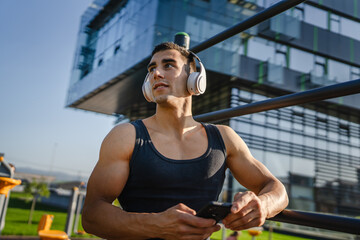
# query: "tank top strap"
x,y
141,131
141,139
215,136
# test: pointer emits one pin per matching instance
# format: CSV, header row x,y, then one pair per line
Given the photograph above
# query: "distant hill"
x,y
59,176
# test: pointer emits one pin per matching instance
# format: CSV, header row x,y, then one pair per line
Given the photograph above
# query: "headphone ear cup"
x,y
146,89
196,83
201,83
191,83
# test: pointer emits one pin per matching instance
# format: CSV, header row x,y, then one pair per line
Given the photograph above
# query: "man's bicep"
x,y
247,170
107,181
112,170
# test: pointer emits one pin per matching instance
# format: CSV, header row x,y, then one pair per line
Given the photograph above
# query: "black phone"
x,y
215,210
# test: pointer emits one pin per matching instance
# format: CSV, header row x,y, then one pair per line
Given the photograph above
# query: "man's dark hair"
x,y
169,46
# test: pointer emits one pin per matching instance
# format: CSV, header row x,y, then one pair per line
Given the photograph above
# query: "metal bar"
x,y
6,171
248,23
324,221
78,211
2,211
71,211
318,94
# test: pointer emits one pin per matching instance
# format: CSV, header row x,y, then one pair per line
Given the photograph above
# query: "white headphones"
x,y
196,82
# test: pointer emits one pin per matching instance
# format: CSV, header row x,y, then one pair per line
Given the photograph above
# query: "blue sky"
x,y
37,44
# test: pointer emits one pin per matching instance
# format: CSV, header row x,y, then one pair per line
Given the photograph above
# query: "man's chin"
x,y
162,99
169,99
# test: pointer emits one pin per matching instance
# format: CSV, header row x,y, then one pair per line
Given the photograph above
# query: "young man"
x,y
165,167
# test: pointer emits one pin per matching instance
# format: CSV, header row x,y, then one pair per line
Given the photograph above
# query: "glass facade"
x,y
112,47
107,50
313,149
298,141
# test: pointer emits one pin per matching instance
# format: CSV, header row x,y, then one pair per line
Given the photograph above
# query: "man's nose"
x,y
158,74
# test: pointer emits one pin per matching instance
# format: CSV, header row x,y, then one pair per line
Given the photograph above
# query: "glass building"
x,y
314,148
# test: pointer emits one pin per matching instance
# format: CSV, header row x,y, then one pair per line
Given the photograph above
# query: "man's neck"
x,y
175,119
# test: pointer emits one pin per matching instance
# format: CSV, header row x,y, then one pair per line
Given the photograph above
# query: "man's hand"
x,y
180,222
247,211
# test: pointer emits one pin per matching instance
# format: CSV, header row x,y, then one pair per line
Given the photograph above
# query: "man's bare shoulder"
x,y
226,132
125,130
119,142
233,142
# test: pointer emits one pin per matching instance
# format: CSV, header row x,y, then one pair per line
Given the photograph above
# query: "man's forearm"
x,y
110,222
274,198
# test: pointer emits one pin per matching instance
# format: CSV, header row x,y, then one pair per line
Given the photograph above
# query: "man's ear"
x,y
192,66
188,69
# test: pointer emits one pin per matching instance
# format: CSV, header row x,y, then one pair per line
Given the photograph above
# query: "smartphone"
x,y
215,210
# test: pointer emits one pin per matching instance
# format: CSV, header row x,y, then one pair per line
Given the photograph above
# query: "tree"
x,y
36,190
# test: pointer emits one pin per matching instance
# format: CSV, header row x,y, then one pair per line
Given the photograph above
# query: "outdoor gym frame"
x,y
324,221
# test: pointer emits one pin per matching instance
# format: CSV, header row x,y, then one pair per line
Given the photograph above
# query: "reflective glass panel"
x,y
315,16
301,61
303,166
348,28
260,49
338,71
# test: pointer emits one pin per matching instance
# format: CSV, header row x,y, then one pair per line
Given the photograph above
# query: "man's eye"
x,y
168,65
151,69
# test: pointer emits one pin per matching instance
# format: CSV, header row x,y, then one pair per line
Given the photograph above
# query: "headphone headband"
x,y
194,55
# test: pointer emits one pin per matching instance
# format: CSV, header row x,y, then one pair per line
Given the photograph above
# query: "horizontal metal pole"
x,y
248,23
318,220
313,95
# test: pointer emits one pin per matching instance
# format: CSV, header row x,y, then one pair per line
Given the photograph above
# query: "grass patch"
x,y
17,215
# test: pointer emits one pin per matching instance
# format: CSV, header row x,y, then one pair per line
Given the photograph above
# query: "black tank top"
x,y
156,183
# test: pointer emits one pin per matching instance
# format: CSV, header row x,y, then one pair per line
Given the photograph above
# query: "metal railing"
x,y
313,95
318,220
247,23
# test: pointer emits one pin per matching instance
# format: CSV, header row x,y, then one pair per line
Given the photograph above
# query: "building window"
x,y
338,71
347,27
334,23
298,12
315,16
354,73
261,49
100,62
320,66
117,49
300,60
331,21
281,55
344,131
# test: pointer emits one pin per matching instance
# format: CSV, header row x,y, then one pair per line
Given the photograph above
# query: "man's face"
x,y
168,75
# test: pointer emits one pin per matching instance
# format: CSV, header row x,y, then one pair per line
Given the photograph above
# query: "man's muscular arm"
x,y
107,181
267,195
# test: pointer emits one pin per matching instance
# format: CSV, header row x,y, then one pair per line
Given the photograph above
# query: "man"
x,y
165,167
